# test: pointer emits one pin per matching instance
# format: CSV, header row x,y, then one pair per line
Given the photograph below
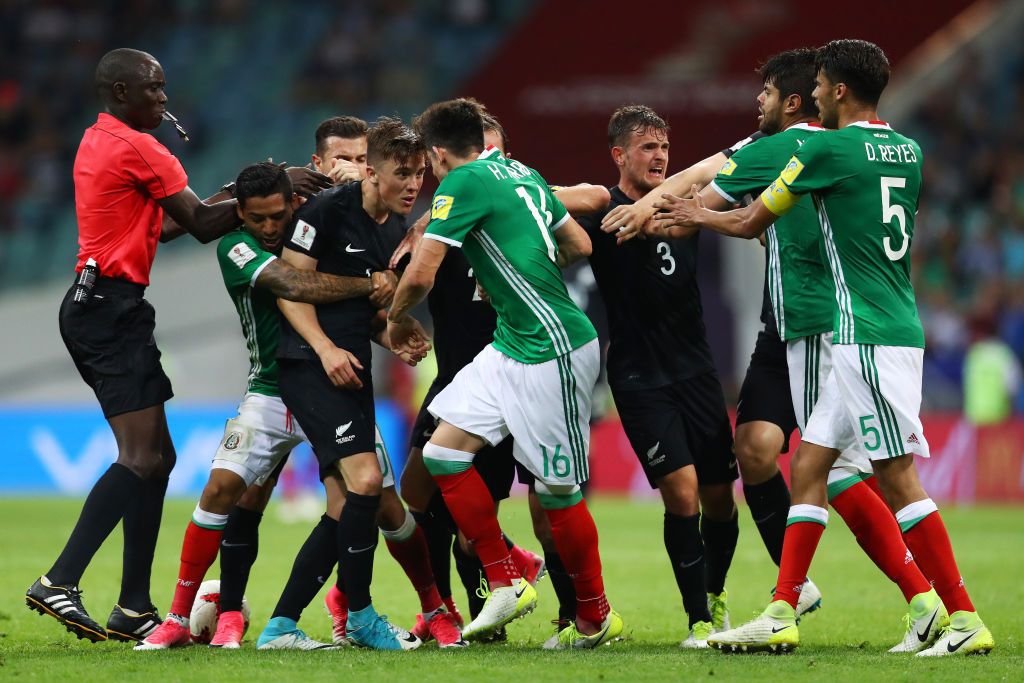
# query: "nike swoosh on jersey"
x,y
950,647
350,249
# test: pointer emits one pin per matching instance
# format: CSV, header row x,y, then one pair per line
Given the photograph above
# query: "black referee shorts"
x,y
681,424
337,422
496,464
765,395
110,339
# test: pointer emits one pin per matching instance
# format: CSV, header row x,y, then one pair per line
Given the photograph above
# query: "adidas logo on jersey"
x,y
913,439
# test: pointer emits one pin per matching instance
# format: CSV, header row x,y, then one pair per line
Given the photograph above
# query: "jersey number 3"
x,y
891,211
541,215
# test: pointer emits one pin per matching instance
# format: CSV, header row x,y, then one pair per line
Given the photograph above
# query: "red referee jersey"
x,y
119,174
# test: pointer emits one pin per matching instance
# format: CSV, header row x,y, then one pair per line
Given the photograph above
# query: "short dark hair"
x,y
633,118
390,138
861,65
347,127
262,180
792,72
491,122
456,125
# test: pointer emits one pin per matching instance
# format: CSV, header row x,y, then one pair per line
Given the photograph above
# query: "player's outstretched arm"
x,y
313,287
628,220
416,283
573,243
206,222
583,199
684,214
339,364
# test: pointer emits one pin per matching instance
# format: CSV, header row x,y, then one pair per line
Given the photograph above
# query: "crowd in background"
x,y
968,246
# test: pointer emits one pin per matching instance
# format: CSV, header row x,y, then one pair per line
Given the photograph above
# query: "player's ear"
x,y
793,104
296,201
316,162
238,211
619,156
120,91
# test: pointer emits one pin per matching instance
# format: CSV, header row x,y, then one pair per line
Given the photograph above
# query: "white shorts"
x,y
810,363
263,434
544,406
872,399
257,439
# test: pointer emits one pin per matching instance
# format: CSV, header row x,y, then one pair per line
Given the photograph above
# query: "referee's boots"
x,y
64,603
128,626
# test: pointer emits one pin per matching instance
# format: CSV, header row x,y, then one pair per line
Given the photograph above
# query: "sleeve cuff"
x,y
562,222
442,238
256,273
725,195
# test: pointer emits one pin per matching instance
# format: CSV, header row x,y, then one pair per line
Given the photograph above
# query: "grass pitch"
x,y
845,640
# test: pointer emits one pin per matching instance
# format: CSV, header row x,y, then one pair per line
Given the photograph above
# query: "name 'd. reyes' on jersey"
x,y
894,154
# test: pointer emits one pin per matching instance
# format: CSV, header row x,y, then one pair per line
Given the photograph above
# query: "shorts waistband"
x,y
113,285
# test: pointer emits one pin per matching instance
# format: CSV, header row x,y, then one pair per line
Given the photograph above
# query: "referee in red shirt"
x,y
125,181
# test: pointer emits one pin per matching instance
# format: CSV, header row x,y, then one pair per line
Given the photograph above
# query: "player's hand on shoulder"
x,y
341,366
343,171
306,181
384,284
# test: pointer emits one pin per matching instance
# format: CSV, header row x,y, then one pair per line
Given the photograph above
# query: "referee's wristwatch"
x,y
229,188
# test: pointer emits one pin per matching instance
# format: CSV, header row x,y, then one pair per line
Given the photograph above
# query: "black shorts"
x,y
496,464
337,422
681,424
765,395
110,338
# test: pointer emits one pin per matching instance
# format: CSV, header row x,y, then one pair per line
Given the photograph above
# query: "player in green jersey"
x,y
534,382
864,179
262,434
802,296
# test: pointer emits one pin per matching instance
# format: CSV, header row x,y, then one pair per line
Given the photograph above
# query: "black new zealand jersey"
x,y
333,228
463,323
655,317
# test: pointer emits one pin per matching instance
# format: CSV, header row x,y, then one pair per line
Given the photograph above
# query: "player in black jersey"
x,y
663,379
463,324
324,353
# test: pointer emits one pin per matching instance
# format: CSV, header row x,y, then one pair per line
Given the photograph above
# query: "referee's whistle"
x,y
171,119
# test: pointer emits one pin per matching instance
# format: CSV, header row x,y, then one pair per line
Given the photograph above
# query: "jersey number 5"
x,y
542,216
891,211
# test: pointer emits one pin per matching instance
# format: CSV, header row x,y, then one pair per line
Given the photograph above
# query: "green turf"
x,y
846,640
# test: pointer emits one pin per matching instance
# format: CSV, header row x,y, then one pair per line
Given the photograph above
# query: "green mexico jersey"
x,y
503,215
865,181
242,259
799,282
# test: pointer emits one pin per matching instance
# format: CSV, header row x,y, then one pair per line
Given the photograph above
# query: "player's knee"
x,y
757,450
679,491
366,482
146,465
717,501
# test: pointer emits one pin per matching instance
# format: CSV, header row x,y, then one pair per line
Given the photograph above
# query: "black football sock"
x,y
311,570
141,526
686,551
109,498
470,572
719,546
239,547
769,506
439,545
565,591
357,541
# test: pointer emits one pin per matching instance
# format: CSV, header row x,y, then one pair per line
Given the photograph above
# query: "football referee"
x,y
124,182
